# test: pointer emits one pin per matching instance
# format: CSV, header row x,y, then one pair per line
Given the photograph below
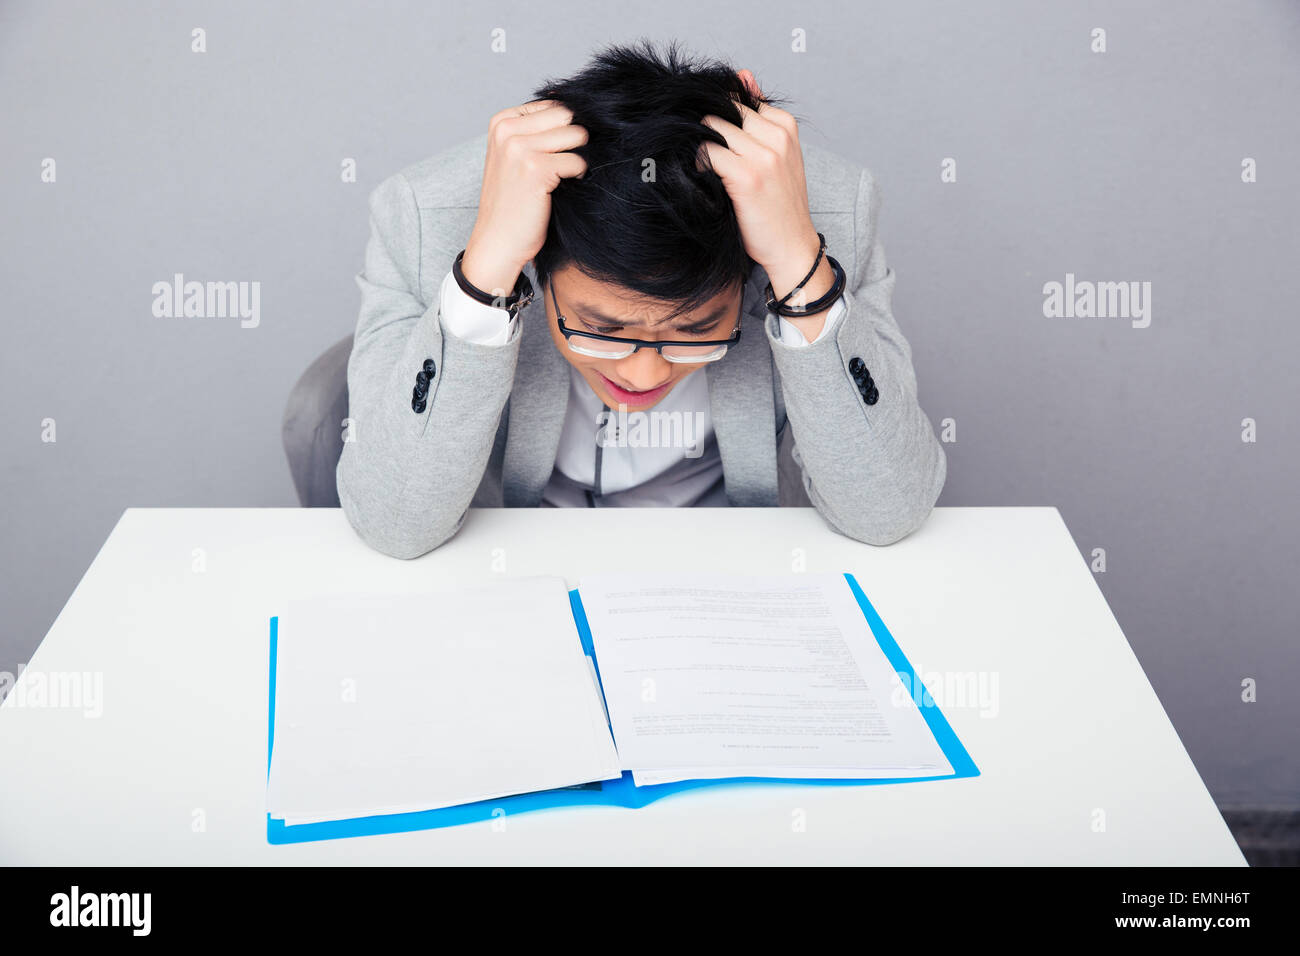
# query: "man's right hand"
x,y
525,161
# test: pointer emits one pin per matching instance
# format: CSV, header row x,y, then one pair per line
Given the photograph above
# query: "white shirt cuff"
x,y
473,321
792,336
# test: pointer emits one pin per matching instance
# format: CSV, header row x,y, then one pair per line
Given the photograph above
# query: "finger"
x,y
556,138
763,127
766,110
533,117
568,165
721,160
533,106
738,141
779,117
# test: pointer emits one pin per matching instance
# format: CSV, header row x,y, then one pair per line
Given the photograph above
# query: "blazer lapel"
x,y
742,408
538,401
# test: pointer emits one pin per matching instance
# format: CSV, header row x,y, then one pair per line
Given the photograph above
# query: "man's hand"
x,y
762,170
525,161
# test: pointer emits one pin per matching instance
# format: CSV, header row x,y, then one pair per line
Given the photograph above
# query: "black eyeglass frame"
x,y
637,344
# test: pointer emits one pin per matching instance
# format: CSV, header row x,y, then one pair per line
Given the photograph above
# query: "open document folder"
x,y
391,713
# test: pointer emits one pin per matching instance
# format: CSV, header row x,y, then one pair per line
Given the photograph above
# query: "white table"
x,y
1079,763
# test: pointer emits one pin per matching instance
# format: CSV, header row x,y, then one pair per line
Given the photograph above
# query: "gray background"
x,y
1115,166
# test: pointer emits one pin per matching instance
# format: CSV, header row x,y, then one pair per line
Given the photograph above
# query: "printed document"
x,y
710,676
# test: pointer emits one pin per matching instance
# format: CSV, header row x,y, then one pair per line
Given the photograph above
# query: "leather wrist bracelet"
x,y
821,251
513,303
812,308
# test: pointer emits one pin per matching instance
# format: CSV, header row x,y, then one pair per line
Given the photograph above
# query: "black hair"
x,y
675,238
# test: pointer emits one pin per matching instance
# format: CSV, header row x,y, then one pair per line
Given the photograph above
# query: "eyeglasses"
x,y
612,347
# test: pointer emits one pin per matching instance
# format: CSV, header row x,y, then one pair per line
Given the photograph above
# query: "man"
x,y
663,207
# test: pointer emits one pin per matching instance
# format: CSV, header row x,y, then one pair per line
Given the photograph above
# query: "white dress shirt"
x,y
666,456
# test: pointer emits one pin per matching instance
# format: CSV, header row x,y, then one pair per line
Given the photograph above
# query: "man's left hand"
x,y
762,170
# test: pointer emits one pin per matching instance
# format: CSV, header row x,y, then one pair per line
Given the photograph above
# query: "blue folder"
x,y
621,792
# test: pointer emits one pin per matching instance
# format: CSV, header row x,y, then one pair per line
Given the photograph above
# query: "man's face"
x,y
641,380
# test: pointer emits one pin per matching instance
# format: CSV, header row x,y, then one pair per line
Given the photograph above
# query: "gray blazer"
x,y
792,424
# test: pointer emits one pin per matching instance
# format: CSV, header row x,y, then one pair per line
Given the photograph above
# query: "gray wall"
x,y
1116,166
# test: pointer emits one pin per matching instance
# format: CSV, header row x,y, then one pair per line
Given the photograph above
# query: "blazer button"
x,y
418,406
422,379
856,366
429,367
871,395
418,394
